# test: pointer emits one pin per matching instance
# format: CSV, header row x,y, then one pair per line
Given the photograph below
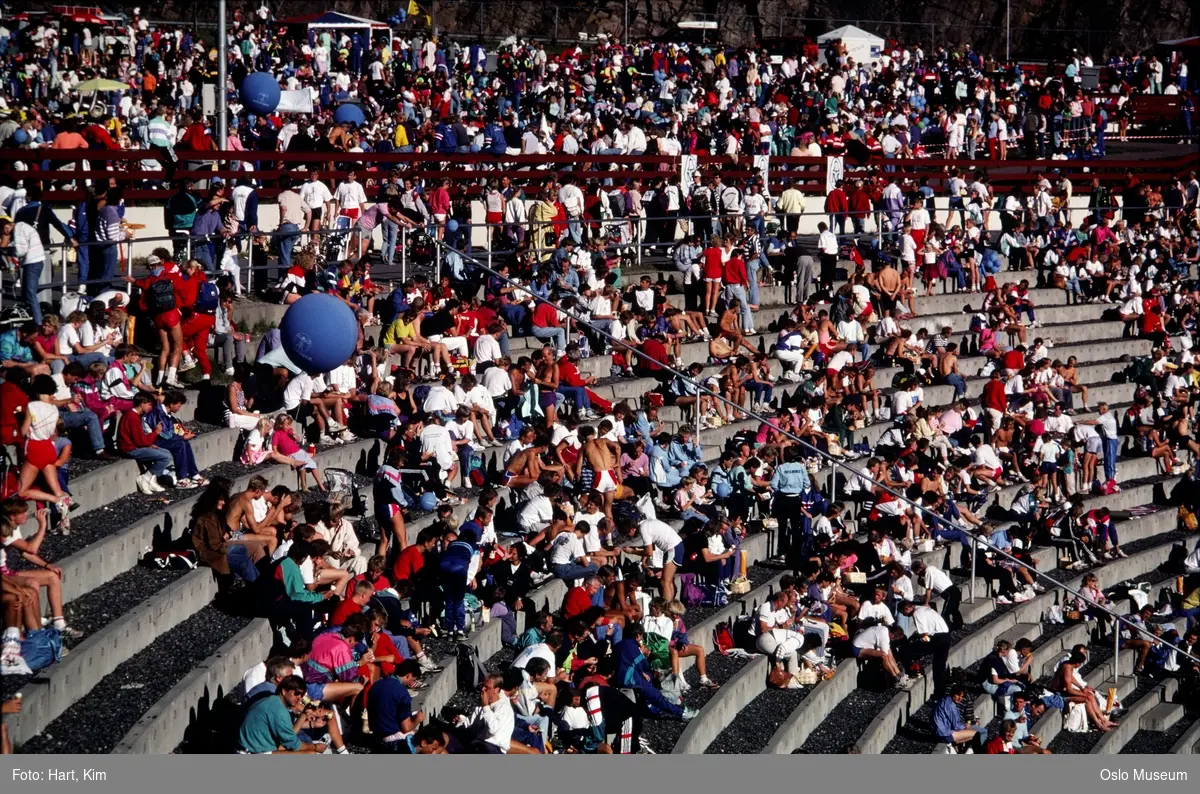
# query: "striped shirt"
x,y
161,133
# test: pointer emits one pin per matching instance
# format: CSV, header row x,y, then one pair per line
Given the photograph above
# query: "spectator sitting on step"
x,y
389,708
948,723
174,438
270,725
331,671
1006,743
14,514
15,350
138,442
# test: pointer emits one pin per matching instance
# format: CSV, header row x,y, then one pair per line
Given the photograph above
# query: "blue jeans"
x,y
108,270
654,698
752,272
286,244
958,382
31,277
515,315
739,291
391,231
578,395
1111,447
556,335
573,570
454,588
239,562
73,420
153,459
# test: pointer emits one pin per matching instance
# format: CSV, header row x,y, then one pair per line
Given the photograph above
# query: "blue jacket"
x,y
493,139
791,479
447,141
685,455
457,558
632,665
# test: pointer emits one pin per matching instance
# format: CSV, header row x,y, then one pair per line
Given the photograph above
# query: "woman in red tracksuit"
x,y
197,324
170,334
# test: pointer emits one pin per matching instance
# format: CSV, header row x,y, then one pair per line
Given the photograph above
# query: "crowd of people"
x,y
601,494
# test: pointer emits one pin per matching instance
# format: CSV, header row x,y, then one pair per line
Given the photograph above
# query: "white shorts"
x,y
1094,445
604,482
457,345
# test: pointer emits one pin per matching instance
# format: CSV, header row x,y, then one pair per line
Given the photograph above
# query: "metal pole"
x,y
625,36
222,77
250,265
1116,653
128,268
403,254
974,551
1008,31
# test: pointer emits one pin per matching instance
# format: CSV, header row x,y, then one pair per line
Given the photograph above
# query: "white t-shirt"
x,y
436,439
566,548
349,195
497,381
298,390
658,534
315,195
487,349
68,337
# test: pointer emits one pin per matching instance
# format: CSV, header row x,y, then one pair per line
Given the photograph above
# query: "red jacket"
x,y
568,373
576,603
836,201
735,271
131,435
994,397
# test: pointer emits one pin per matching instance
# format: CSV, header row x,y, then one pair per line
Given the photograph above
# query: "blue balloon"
x,y
260,92
451,225
319,333
349,114
20,137
429,501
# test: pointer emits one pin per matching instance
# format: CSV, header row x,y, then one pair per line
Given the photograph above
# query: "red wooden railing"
x,y
808,173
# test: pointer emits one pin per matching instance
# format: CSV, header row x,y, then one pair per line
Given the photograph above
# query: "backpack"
x,y
701,203
208,298
42,648
690,593
723,637
475,472
470,668
617,204
160,297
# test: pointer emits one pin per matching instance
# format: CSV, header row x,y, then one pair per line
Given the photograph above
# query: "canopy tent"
x,y
100,84
862,46
334,19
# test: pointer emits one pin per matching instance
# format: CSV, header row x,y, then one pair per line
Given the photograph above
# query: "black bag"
x,y
160,297
470,668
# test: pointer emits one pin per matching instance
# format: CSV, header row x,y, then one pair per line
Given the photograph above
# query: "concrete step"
x,y
1124,687
1028,631
1161,717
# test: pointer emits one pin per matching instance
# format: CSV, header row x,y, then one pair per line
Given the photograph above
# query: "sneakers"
x,y
906,682
229,371
147,485
335,426
186,363
690,714
1119,553
172,383
1003,600
707,682
1022,596
186,484
346,437
327,440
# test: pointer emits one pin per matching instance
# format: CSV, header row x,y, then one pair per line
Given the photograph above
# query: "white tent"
x,y
862,46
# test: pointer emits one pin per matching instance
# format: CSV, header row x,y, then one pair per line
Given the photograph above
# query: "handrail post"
x,y
403,254
249,264
1116,653
974,551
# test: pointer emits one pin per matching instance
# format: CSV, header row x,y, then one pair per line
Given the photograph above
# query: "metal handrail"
x,y
830,461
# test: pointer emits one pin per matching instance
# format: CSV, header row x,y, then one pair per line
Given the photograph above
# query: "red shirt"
x,y
576,603
568,373
381,583
410,561
994,397
713,266
836,201
1014,359
131,435
545,316
655,350
735,271
343,611
14,399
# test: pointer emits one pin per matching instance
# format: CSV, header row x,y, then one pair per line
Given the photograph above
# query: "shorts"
x,y
1048,467
440,217
493,218
885,304
316,213
302,456
677,555
605,482
717,280
40,453
315,691
386,512
301,412
351,212
1094,445
168,320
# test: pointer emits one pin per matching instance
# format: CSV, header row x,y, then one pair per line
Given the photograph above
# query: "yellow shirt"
x,y
398,331
401,136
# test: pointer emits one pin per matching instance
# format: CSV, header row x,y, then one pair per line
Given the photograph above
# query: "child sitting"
x,y
174,438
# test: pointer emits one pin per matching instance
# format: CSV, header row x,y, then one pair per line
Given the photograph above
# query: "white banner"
x,y
687,169
298,101
835,169
762,164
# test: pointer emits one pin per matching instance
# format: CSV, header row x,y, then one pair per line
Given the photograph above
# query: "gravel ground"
x,y
754,725
465,699
846,723
662,734
94,610
1160,742
98,721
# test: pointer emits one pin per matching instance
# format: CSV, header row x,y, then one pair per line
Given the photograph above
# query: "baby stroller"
x,y
336,242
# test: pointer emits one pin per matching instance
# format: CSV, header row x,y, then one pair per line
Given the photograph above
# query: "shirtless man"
x,y
254,513
600,457
526,466
947,367
888,289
